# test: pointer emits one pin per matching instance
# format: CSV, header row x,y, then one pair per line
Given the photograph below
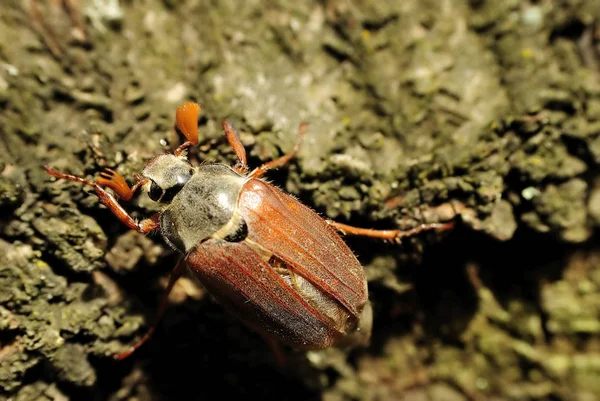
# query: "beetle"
x,y
276,264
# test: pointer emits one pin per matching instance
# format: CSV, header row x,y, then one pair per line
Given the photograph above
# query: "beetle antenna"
x,y
117,183
186,118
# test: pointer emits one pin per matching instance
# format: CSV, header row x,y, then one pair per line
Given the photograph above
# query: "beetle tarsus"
x,y
283,160
421,228
164,302
59,175
388,235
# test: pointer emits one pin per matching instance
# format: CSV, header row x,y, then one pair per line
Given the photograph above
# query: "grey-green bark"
x,y
485,113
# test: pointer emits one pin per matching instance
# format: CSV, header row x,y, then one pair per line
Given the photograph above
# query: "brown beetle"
x,y
266,257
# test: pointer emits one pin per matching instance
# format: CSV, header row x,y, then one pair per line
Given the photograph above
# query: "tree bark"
x,y
486,114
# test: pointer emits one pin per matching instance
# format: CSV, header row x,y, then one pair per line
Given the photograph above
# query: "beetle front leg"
x,y
390,235
283,160
175,274
116,182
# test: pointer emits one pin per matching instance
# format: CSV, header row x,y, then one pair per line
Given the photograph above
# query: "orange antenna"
x,y
186,118
117,183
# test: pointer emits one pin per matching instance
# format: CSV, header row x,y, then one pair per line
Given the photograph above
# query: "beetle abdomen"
x,y
247,285
338,316
305,242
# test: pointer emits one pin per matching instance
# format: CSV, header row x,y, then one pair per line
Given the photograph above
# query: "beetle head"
x,y
167,174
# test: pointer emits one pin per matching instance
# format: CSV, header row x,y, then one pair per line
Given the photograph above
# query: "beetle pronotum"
x,y
267,258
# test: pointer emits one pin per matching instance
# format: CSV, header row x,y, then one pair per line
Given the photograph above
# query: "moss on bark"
x,y
485,113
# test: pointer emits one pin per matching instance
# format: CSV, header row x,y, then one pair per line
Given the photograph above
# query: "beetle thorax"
x,y
205,207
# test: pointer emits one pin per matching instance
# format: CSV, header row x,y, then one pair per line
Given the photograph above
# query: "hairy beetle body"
x,y
292,278
266,257
277,275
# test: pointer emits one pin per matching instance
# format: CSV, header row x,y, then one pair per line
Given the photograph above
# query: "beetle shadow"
x,y
201,350
226,358
439,297
445,299
518,269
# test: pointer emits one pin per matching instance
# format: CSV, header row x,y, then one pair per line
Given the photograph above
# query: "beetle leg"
x,y
72,7
145,226
175,274
391,235
281,161
182,148
276,350
234,140
48,36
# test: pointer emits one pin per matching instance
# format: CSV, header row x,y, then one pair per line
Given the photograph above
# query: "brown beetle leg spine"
x,y
164,302
283,160
145,226
390,235
234,140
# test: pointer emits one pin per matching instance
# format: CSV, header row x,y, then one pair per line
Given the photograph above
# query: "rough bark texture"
x,y
483,112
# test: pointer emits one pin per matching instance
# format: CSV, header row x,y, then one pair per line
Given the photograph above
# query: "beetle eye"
x,y
170,193
155,192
